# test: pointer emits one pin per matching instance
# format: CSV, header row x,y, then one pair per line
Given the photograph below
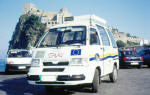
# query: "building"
x,y
124,37
49,18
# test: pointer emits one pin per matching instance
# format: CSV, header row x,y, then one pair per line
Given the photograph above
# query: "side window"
x,y
94,39
104,36
112,39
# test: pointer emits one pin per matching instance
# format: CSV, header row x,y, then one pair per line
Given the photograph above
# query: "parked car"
x,y
129,58
146,56
18,60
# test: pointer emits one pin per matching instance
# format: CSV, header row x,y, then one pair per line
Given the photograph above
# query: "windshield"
x,y
19,54
74,35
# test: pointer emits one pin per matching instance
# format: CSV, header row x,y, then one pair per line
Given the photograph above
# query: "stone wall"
x,y
123,36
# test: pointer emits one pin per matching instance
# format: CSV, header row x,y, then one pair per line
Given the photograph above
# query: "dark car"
x,y
146,56
129,58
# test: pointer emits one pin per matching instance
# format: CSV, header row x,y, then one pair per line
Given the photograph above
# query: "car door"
x,y
96,49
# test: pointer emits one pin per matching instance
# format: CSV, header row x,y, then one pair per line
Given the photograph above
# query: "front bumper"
x,y
60,80
18,67
71,76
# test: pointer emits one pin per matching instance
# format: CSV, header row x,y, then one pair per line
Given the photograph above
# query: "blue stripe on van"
x,y
101,59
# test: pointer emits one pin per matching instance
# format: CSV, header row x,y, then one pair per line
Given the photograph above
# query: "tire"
x,y
139,66
114,75
96,82
7,71
148,66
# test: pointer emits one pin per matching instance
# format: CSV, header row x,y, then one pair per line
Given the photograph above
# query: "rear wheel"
x,y
96,81
139,66
114,75
148,66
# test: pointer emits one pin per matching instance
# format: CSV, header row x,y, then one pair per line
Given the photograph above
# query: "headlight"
x,y
35,63
79,61
39,54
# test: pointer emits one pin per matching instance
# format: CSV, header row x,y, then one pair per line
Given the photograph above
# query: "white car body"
x,y
17,63
91,57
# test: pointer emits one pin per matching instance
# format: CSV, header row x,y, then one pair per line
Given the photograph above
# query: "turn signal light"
x,y
142,58
125,58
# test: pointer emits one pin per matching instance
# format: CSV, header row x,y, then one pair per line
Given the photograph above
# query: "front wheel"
x,y
7,70
114,75
96,81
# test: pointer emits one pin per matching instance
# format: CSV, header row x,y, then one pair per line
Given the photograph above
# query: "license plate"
x,y
22,67
134,63
48,78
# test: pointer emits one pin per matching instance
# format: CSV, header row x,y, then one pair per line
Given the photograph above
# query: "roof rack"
x,y
90,19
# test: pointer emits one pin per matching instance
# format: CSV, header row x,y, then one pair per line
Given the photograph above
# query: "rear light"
x,y
141,58
125,58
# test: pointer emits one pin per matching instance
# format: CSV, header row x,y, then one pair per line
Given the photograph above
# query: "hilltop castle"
x,y
49,18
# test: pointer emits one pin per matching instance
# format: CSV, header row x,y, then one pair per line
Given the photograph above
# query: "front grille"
x,y
55,64
53,69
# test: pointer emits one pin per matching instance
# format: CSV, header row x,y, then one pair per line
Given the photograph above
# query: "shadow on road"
x,y
19,86
12,73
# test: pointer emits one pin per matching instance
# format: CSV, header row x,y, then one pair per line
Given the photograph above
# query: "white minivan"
x,y
18,60
79,52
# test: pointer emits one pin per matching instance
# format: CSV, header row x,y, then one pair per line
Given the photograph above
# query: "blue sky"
x,y
130,16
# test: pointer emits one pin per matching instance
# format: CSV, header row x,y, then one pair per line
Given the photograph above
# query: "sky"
x,y
129,16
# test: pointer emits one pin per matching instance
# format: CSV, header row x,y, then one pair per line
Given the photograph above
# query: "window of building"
x,y
94,39
52,23
104,36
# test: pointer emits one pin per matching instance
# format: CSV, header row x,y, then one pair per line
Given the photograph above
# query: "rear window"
x,y
128,52
19,54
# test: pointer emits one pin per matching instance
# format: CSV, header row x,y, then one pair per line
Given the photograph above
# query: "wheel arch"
x,y
99,70
116,64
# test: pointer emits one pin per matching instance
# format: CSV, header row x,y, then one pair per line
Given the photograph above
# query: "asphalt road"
x,y
130,82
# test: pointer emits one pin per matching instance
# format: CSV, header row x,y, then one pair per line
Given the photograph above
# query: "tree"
x,y
27,32
128,35
130,43
120,44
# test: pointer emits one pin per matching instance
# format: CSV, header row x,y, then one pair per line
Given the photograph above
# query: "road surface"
x,y
131,82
